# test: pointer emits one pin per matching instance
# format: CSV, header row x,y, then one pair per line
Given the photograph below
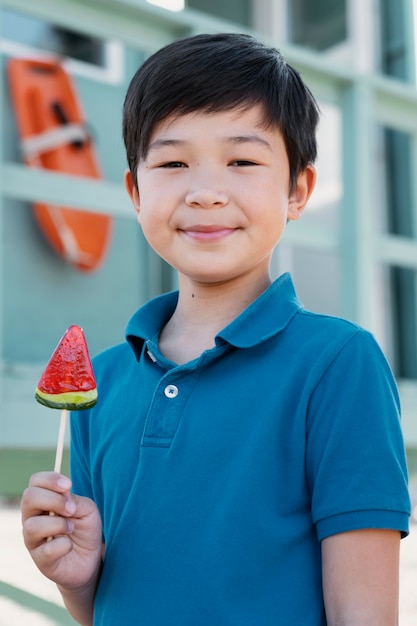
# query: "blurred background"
x,y
353,254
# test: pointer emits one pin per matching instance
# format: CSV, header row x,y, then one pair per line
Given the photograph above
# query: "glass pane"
x,y
397,182
317,272
324,206
235,11
397,304
33,32
319,24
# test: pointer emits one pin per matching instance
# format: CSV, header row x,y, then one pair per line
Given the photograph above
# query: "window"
x,y
237,11
25,35
319,24
399,220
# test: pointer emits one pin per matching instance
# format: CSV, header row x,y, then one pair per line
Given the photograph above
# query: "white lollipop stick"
x,y
61,440
60,448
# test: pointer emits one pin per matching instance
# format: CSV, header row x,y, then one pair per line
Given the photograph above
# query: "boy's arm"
x,y
361,578
80,603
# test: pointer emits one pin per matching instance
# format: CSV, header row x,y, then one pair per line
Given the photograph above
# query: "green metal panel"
x,y
396,250
395,103
357,232
22,183
135,22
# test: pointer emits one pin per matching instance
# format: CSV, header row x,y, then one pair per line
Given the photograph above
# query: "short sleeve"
x,y
356,464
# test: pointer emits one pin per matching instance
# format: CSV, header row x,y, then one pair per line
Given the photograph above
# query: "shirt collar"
x,y
265,317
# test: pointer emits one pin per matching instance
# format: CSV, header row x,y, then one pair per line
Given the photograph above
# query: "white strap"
x,y
50,139
72,251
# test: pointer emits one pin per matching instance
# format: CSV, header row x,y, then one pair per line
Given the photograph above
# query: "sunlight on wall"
x,y
172,5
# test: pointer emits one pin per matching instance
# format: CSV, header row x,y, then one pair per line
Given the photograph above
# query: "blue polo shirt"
x,y
216,480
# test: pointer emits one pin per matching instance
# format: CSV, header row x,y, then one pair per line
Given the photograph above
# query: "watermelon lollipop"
x,y
68,381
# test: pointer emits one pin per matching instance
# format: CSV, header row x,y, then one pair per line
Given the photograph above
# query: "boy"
x,y
244,464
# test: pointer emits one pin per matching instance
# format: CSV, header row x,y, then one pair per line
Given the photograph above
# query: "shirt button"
x,y
171,391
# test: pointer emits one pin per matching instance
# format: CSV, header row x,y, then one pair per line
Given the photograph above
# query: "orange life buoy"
x,y
53,136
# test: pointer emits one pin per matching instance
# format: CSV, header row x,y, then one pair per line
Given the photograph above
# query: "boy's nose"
x,y
206,195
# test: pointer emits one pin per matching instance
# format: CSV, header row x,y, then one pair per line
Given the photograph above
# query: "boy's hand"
x,y
62,531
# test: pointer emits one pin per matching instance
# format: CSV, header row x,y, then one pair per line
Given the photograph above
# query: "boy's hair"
x,y
213,73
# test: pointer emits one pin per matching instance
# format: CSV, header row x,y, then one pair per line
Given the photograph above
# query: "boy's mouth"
x,y
208,232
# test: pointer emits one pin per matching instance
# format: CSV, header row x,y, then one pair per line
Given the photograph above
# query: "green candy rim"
x,y
66,400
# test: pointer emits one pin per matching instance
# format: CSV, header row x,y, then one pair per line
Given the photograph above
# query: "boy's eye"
x,y
243,163
173,164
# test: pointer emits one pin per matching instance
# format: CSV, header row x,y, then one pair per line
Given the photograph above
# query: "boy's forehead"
x,y
249,116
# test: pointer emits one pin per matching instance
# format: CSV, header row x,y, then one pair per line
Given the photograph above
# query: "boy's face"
x,y
213,194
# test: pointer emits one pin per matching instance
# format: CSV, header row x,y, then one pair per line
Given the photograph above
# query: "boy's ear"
x,y
132,190
301,193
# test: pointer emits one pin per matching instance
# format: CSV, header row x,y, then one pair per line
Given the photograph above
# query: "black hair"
x,y
215,73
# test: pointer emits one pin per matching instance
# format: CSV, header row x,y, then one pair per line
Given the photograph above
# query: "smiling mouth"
x,y
208,233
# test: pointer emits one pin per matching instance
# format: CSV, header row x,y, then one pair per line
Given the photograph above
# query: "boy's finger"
x,y
38,530
50,480
40,501
47,554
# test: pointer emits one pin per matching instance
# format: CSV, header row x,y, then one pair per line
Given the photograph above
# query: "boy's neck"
x,y
202,312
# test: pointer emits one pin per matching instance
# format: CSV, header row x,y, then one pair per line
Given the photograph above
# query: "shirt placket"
x,y
167,406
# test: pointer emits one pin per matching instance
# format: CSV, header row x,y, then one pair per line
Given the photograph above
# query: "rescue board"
x,y
53,136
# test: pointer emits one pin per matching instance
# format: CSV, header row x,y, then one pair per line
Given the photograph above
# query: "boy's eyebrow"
x,y
161,143
249,139
238,139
